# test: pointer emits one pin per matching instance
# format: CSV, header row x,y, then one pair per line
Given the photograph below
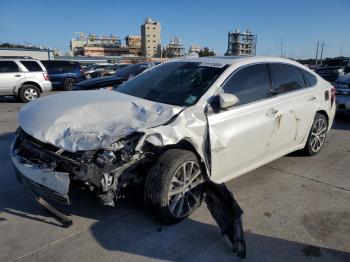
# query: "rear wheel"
x,y
317,135
28,93
69,83
173,187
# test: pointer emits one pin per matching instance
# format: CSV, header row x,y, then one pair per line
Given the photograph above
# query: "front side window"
x,y
286,78
174,83
8,67
32,66
249,84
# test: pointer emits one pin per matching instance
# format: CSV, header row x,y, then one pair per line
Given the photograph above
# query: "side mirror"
x,y
227,100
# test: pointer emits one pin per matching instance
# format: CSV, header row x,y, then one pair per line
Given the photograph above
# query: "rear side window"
x,y
310,79
59,66
32,66
8,67
286,78
249,84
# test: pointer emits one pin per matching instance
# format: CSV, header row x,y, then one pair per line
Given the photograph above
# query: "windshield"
x,y
174,83
130,71
336,62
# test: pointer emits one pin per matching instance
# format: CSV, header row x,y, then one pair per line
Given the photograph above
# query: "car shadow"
x,y
129,229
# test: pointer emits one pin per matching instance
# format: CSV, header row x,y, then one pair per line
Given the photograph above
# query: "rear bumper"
x,y
47,86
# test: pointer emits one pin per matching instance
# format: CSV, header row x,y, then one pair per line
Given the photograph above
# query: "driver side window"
x,y
249,84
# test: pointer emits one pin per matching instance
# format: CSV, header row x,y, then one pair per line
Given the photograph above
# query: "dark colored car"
x,y
116,79
109,70
64,74
333,68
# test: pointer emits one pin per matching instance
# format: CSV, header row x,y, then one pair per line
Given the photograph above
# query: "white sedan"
x,y
172,128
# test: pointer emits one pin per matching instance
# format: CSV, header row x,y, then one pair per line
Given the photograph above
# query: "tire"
x,y
69,83
28,93
88,76
317,135
165,191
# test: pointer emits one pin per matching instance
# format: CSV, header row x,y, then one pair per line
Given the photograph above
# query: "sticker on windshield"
x,y
190,100
218,65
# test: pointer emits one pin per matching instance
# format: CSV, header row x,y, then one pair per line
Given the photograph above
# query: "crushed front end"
x,y
45,171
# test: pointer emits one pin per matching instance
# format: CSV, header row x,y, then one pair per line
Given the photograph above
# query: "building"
x,y
174,48
150,39
195,49
133,42
93,45
36,53
241,43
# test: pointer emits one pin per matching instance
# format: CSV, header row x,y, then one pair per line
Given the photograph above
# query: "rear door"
x,y
10,76
239,136
55,70
294,103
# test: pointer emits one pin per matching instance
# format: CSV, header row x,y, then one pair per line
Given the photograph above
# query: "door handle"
x,y
271,113
18,75
312,98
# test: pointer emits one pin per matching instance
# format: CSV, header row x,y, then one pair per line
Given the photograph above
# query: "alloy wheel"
x,y
30,94
318,134
185,191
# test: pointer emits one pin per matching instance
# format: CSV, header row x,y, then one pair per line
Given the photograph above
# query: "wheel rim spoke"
x,y
183,195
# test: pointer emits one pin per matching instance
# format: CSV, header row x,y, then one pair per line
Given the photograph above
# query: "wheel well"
x,y
34,84
324,113
186,145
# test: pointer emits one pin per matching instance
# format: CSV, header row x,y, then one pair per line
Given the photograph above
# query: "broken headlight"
x,y
120,151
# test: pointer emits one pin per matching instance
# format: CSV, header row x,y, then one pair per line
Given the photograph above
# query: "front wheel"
x,y
173,188
317,135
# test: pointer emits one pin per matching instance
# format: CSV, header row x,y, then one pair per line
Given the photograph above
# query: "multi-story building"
x,y
174,48
194,49
241,43
150,38
133,42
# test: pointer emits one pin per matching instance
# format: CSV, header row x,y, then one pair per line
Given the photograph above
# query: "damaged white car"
x,y
171,129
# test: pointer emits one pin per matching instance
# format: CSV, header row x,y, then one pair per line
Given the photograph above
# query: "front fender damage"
x,y
189,125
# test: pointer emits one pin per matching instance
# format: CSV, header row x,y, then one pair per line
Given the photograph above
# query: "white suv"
x,y
171,128
24,77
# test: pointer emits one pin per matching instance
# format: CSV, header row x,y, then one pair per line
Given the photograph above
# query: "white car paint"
x,y
242,138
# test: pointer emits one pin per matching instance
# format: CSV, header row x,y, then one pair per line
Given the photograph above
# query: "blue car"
x,y
64,74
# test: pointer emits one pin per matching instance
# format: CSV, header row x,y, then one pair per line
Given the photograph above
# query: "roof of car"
x,y
235,59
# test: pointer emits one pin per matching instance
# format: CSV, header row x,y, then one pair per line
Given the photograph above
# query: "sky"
x,y
299,24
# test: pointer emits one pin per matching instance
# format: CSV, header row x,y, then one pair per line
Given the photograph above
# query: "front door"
x,y
240,136
10,75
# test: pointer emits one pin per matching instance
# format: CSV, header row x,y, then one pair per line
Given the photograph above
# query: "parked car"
x,y
25,78
171,128
110,70
333,68
91,70
342,86
64,74
115,80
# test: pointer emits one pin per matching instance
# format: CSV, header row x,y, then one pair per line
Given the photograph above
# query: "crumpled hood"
x,y
87,120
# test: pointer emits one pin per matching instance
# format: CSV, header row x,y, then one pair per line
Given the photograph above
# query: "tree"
x,y
206,52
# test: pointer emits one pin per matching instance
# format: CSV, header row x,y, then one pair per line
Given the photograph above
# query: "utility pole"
x,y
318,43
321,52
282,40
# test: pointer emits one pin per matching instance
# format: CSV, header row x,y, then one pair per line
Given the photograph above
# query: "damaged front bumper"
x,y
42,184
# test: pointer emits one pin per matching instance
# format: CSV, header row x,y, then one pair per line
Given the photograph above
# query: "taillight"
x,y
333,90
46,76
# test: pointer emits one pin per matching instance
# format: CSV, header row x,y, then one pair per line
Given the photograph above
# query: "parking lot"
x,y
296,208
